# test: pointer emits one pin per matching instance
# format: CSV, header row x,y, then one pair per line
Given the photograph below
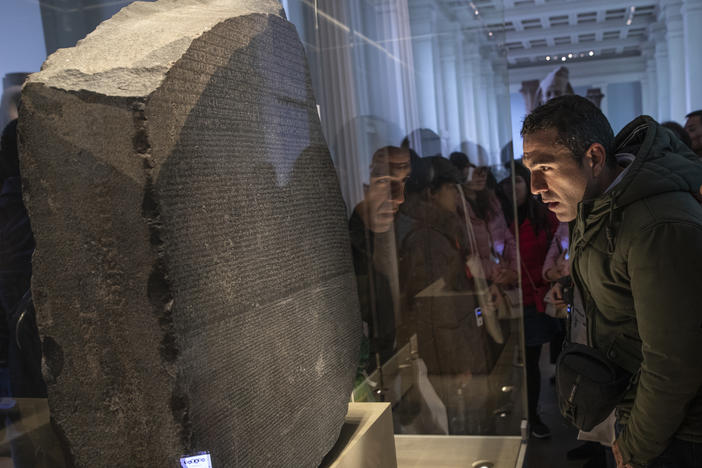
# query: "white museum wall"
x,y
518,112
624,103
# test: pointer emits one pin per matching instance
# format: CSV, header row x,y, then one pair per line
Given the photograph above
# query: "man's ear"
x,y
596,158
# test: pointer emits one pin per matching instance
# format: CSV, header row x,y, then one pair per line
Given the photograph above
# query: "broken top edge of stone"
x,y
129,54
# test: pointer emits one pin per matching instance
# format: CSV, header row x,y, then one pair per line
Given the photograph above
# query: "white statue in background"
x,y
555,84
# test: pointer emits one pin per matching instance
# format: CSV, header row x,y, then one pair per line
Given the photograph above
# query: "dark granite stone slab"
x,y
192,277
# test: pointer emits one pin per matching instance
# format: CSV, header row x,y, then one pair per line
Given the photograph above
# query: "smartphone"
x,y
479,316
568,294
198,460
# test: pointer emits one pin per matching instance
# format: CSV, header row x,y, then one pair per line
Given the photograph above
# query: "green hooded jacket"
x,y
637,260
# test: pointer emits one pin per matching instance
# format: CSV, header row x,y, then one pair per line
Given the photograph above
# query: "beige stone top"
x,y
129,54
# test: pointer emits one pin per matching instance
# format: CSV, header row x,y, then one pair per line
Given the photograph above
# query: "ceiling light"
x,y
570,55
490,33
477,12
582,55
548,58
563,59
591,53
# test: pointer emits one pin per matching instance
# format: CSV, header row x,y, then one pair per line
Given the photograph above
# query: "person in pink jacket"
x,y
556,265
496,245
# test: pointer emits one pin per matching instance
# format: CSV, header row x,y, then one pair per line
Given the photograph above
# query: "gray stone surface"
x,y
192,277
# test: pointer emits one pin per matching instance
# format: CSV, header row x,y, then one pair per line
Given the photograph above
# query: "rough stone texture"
x,y
192,277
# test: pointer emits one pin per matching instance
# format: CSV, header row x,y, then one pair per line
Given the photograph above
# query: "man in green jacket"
x,y
636,241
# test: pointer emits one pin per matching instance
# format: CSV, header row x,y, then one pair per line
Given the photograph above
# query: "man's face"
x,y
446,197
520,189
386,190
477,179
693,127
555,174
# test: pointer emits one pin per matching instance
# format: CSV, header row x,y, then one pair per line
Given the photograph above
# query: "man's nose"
x,y
538,184
397,192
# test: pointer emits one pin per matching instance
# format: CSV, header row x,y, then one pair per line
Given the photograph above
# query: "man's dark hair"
x,y
579,124
442,172
697,113
460,160
679,132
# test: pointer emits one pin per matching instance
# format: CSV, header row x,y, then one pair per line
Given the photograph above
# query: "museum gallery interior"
x,y
301,233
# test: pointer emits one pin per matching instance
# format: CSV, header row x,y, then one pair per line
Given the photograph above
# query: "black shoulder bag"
x,y
588,384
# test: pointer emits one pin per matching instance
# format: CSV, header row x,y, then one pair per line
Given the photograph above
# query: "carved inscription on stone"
x,y
192,277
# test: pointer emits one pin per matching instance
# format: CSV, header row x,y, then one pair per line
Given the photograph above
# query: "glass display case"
x,y
413,100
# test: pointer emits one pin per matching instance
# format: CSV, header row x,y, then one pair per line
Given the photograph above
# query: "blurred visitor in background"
x,y
375,253
496,245
424,142
556,264
557,268
679,131
458,332
693,127
536,230
434,249
17,239
433,253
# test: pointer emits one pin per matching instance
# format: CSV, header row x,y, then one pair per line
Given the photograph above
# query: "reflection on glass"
x,y
414,104
374,253
417,118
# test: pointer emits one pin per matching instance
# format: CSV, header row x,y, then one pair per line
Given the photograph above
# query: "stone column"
x,y
469,78
692,14
504,124
595,96
492,145
652,74
439,102
662,72
387,87
338,97
359,57
423,15
460,98
482,109
676,58
450,88
648,83
394,17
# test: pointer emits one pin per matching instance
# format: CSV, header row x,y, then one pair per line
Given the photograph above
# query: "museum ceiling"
x,y
536,32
